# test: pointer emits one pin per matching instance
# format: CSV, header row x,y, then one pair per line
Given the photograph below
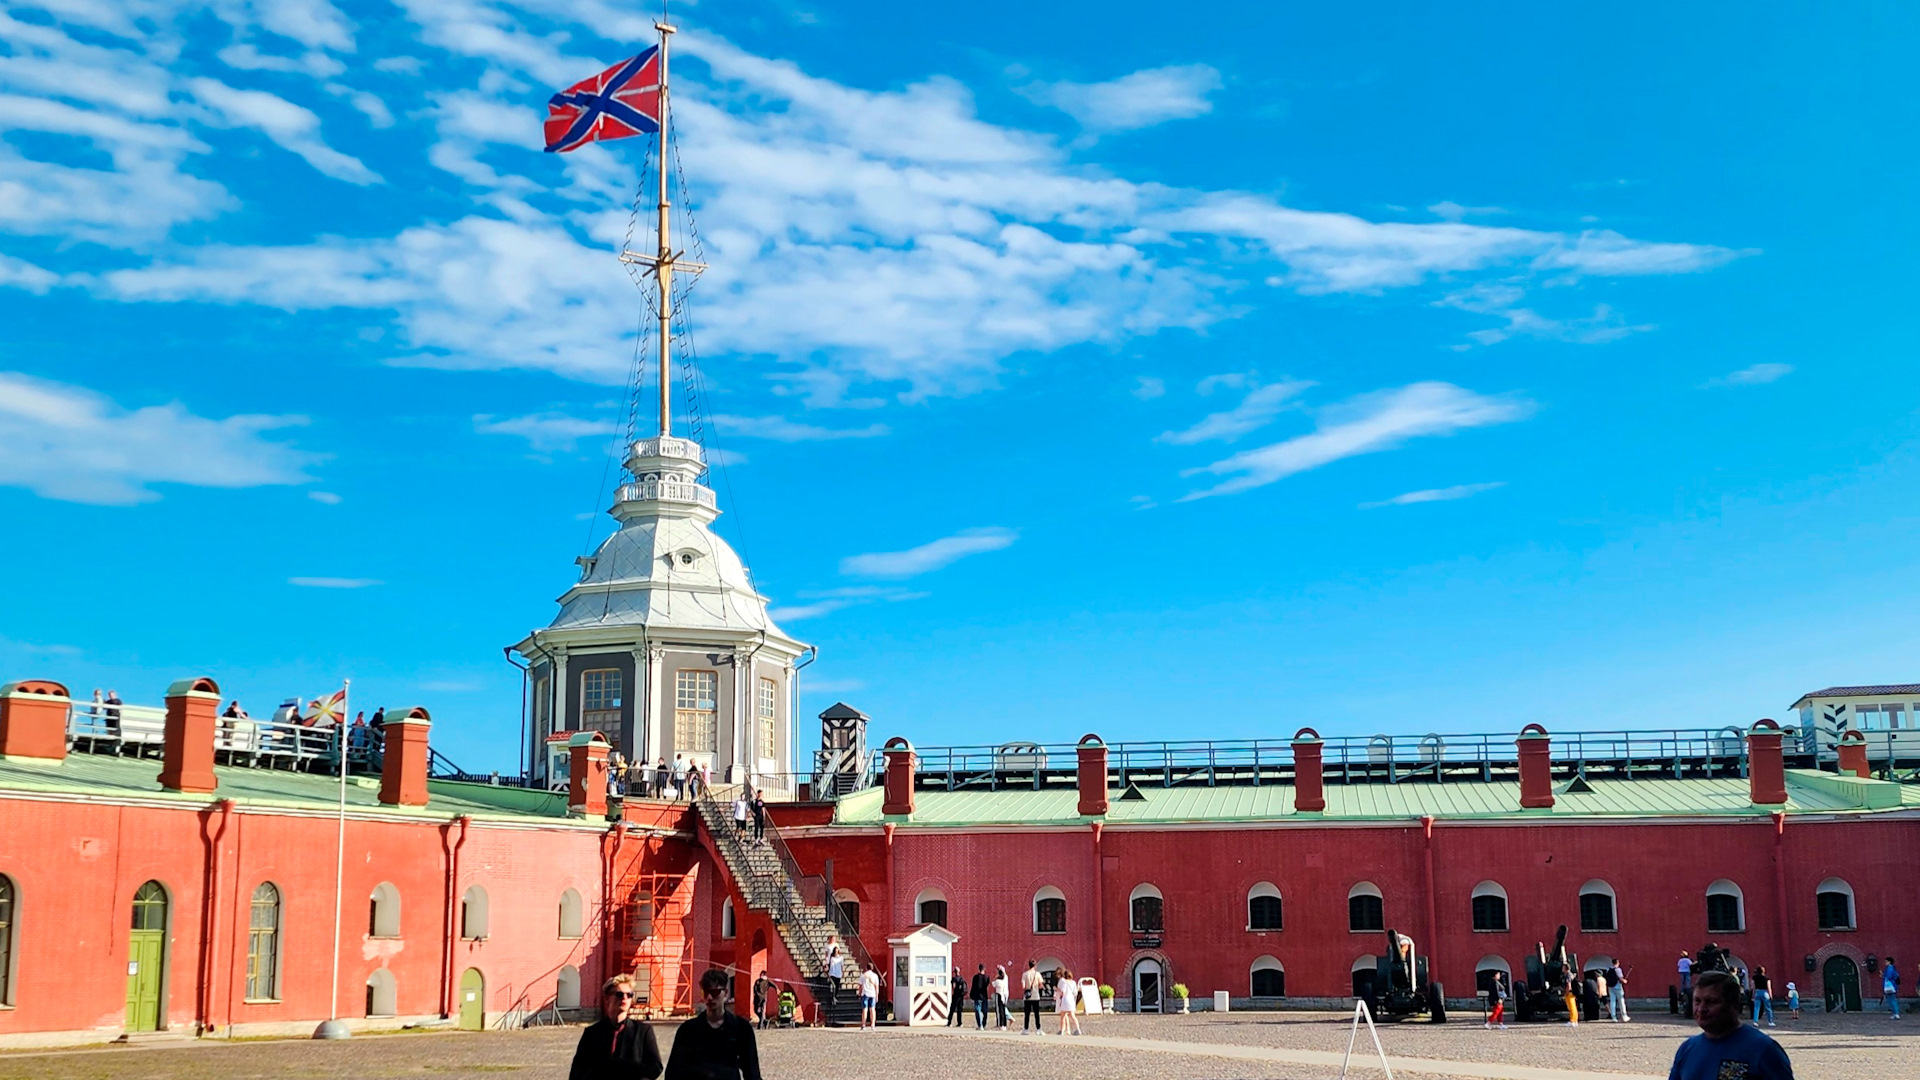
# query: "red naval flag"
x,y
619,103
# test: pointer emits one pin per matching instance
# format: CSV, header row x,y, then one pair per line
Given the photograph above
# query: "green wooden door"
x,y
146,958
473,1000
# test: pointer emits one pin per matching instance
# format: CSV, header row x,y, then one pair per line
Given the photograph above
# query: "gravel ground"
x,y
1821,1047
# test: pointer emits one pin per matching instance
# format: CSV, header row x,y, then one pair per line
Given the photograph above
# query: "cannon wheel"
x,y
1436,1003
1523,1006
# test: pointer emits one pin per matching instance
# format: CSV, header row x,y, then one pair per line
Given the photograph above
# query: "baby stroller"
x,y
784,1017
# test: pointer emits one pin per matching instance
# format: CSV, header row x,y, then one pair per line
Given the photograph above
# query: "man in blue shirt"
x,y
1726,1049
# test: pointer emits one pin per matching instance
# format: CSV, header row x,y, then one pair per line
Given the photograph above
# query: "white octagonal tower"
x,y
663,645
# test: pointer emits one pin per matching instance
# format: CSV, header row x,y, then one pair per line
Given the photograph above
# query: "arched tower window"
x,y
1726,908
572,918
1597,915
1147,909
930,907
1049,911
1489,908
1833,904
381,993
1268,978
1263,908
263,944
383,912
473,914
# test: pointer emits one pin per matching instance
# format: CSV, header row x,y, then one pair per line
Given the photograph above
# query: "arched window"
x,y
263,944
1596,908
473,914
1268,978
930,907
571,914
1049,911
1726,908
1489,908
1484,971
1366,910
566,989
849,902
1596,962
7,903
728,927
1366,973
381,993
1833,904
383,911
1263,908
1148,910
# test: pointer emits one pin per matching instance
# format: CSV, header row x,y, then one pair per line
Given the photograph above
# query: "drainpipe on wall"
x,y
452,935
1780,885
1433,923
1099,907
893,908
609,858
210,918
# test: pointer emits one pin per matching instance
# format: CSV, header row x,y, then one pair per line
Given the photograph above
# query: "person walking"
x,y
1065,991
1890,988
1762,995
1793,1000
715,1044
1497,993
870,998
978,993
1726,1047
740,812
762,1000
958,1006
836,967
1617,993
1031,983
617,1046
759,816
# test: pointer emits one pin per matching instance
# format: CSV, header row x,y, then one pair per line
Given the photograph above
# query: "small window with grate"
x,y
1366,914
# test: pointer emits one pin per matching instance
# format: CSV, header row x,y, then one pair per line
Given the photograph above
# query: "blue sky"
x,y
1385,369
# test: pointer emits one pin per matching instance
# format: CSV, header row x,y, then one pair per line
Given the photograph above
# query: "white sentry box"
x,y
922,974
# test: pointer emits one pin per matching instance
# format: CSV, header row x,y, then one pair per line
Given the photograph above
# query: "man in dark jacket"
x,y
958,1006
980,991
715,1044
616,1046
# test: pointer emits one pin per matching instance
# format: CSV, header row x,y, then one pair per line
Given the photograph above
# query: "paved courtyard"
x,y
1251,1045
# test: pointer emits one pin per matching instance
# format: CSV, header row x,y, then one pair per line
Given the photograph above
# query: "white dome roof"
x,y
664,572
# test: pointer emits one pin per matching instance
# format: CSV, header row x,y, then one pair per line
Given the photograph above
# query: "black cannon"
x,y
1543,994
1710,958
1399,986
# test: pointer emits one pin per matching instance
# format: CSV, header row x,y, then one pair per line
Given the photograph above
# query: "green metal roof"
x,y
105,776
1808,792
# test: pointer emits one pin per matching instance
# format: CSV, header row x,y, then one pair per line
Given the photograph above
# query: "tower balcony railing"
x,y
667,446
668,491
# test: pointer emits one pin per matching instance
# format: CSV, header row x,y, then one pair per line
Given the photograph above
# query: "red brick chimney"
x,y
587,774
1309,779
1853,754
187,764
1766,772
899,793
1536,768
404,757
1093,775
33,721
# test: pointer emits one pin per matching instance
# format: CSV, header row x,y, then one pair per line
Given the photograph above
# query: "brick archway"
x,y
1125,982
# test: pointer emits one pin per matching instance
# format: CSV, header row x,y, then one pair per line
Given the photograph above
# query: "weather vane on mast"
x,y
628,99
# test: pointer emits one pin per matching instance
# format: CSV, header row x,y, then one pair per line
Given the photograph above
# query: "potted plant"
x,y
1106,998
1180,997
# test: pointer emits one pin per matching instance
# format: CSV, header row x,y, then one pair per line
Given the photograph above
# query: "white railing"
x,y
668,446
131,728
667,490
121,725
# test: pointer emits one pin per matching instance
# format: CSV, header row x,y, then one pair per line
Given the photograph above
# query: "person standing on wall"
x,y
740,812
679,777
716,1044
1726,1048
1031,983
759,816
617,1046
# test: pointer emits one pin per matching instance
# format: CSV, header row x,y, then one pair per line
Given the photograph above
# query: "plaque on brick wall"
x,y
1151,941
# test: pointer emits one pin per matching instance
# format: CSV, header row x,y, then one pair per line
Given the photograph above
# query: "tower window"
x,y
769,703
695,713
600,691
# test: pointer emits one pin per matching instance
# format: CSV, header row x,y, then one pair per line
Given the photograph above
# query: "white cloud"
x,y
1135,101
20,274
1453,211
546,431
831,686
1427,495
780,429
370,105
69,443
327,497
929,556
1503,298
1146,387
1255,411
334,582
826,602
1746,376
292,127
1368,424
